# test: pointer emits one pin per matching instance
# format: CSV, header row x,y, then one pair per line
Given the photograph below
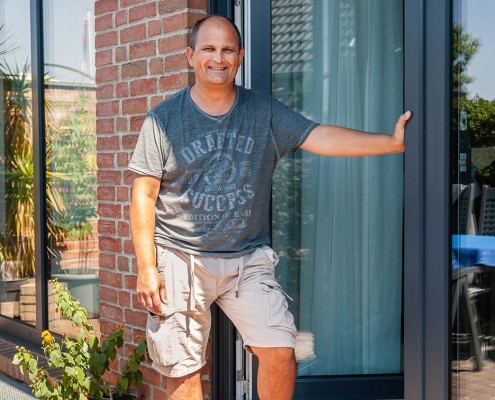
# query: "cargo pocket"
x,y
278,314
167,342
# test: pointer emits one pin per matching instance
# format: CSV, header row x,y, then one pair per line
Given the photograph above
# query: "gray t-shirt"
x,y
216,171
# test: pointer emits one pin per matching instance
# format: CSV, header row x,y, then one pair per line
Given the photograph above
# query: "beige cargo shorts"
x,y
245,289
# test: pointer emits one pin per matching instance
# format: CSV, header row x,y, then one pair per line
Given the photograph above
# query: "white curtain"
x,y
350,267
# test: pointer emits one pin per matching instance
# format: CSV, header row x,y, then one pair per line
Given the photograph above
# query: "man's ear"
x,y
189,55
241,56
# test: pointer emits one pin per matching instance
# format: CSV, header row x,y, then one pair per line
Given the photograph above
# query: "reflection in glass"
x,y
71,152
337,222
17,287
473,201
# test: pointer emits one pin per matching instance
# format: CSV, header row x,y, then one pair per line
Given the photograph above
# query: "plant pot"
x,y
10,289
84,287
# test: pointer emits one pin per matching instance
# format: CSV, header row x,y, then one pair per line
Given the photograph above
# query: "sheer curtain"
x,y
350,209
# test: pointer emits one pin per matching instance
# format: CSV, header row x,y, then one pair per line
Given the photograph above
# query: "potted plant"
x,y
83,361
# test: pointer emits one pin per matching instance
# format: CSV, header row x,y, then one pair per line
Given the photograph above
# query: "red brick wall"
x,y
140,60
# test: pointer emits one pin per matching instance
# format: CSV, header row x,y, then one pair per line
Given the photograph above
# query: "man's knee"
x,y
275,355
185,387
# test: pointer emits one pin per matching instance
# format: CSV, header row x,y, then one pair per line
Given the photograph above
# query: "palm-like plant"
x,y
17,173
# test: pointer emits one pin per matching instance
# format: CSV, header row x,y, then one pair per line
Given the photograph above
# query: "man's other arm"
x,y
329,140
149,284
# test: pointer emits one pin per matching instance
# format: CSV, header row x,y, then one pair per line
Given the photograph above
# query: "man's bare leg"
x,y
276,372
185,388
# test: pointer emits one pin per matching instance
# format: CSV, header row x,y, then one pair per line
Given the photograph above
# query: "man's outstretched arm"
x,y
330,140
145,191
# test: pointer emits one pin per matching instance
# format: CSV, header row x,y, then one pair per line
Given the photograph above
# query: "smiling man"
x,y
200,214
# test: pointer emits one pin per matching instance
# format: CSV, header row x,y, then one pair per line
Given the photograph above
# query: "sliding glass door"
x,y
337,222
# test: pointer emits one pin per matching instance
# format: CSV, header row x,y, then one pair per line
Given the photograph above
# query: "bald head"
x,y
212,19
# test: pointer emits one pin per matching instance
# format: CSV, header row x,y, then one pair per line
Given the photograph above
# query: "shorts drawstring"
x,y
192,292
241,269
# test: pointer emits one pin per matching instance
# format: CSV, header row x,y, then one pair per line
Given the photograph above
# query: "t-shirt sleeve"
x,y
149,155
289,128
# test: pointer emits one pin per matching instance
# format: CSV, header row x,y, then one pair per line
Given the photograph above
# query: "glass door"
x,y
337,222
473,199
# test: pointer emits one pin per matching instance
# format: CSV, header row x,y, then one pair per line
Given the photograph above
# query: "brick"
x,y
152,376
154,28
112,177
122,124
123,191
156,66
106,39
103,57
175,81
144,49
107,108
168,6
133,69
172,43
133,33
121,54
129,142
128,179
123,265
142,11
128,246
123,229
110,244
106,125
106,227
143,86
122,89
103,22
121,18
104,92
108,295
107,74
122,159
105,160
111,312
106,261
135,106
113,279
106,210
130,282
106,193
124,299
108,143
127,3
176,62
181,21
103,6
155,100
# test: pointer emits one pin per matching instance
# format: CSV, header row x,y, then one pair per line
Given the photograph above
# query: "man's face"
x,y
216,56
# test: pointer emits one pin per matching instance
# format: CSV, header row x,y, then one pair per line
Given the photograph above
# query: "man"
x,y
204,160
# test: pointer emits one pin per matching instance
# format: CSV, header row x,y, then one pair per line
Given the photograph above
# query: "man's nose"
x,y
218,56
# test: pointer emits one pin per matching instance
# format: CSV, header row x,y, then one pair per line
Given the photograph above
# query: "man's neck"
x,y
213,101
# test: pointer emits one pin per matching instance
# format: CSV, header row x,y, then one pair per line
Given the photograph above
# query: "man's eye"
x,y
228,51
208,49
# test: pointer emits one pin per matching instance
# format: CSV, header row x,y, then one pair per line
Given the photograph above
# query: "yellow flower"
x,y
45,333
48,338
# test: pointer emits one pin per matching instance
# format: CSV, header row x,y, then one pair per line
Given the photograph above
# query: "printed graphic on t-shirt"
x,y
220,200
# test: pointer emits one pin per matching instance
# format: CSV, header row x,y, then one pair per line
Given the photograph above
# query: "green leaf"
x,y
55,358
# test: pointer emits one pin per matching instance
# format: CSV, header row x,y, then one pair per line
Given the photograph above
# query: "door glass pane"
x,y
473,199
337,222
17,290
70,94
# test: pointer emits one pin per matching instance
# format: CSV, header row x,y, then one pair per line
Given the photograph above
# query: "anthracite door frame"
x,y
427,77
17,329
